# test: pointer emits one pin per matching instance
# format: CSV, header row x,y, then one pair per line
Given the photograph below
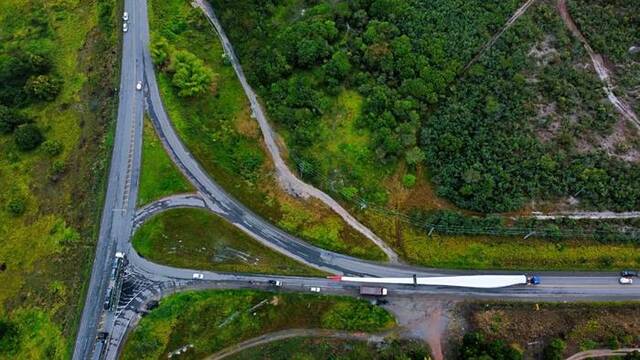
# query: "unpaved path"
x,y
423,318
286,178
598,64
602,353
521,10
287,334
588,215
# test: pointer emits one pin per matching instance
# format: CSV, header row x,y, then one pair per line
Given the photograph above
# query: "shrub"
x,y
8,337
10,120
52,147
28,137
57,168
43,87
16,206
191,76
409,181
554,350
160,52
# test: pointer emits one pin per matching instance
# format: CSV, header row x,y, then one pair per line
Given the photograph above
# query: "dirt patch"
x,y
530,326
425,319
246,125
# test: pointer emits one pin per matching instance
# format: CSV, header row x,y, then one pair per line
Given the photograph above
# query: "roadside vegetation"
x,y
525,123
57,74
213,320
374,114
199,239
329,348
545,330
213,119
159,176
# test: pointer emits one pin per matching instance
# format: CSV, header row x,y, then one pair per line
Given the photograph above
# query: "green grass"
x,y
48,249
198,239
159,177
330,348
515,253
221,135
213,320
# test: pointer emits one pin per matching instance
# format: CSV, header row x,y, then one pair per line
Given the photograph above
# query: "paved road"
x,y
120,200
119,211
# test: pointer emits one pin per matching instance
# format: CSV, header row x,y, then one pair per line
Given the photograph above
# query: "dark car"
x,y
628,273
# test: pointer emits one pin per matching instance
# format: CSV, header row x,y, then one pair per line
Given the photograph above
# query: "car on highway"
x,y
314,289
276,283
125,27
125,16
625,281
628,273
139,85
198,276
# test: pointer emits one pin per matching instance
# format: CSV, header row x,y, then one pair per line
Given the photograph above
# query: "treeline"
x,y
456,223
27,76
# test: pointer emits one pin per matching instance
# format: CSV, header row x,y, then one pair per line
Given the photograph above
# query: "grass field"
x,y
328,348
218,130
159,177
194,238
47,250
531,327
494,252
213,320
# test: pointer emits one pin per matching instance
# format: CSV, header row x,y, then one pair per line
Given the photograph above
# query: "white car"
x,y
625,281
139,85
125,16
314,289
198,276
125,27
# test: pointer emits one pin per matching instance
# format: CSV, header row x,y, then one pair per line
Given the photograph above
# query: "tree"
x,y
28,137
191,76
43,87
339,66
554,350
414,156
160,51
10,120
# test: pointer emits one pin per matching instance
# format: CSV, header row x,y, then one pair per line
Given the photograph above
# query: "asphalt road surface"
x,y
122,186
120,211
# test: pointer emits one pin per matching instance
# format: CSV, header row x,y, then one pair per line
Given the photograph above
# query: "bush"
x,y
476,347
16,206
191,76
409,181
356,316
52,147
10,120
554,350
8,337
161,52
43,87
28,137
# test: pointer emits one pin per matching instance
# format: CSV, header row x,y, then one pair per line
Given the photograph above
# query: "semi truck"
x,y
468,281
373,291
115,282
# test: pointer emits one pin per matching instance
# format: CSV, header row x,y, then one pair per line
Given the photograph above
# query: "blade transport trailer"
x,y
470,281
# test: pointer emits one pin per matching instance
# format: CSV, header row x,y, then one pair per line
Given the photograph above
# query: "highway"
x,y
120,215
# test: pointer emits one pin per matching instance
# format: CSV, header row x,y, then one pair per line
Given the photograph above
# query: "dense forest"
x,y
526,122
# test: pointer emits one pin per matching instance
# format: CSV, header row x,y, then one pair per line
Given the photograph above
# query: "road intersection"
x,y
146,280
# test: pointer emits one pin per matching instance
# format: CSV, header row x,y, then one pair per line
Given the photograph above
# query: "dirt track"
x,y
598,64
